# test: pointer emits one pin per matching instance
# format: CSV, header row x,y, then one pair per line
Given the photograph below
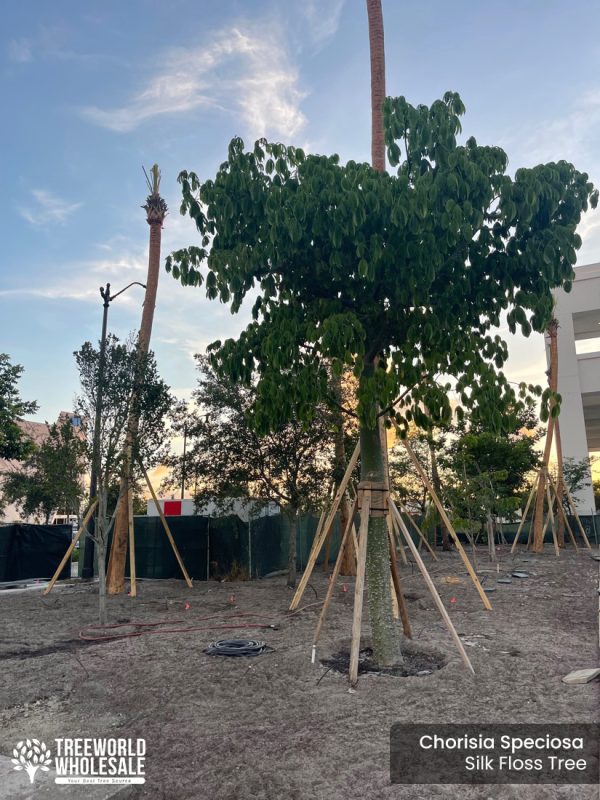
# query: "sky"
x,y
94,91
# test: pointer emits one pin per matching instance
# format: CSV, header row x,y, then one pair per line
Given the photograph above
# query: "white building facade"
x,y
578,339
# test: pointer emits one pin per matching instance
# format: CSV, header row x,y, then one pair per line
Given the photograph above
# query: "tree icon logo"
x,y
30,756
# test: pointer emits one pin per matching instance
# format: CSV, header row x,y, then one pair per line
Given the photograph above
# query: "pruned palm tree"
x,y
156,210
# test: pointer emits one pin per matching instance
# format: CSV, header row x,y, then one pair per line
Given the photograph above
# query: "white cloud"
x,y
242,71
20,51
322,17
47,208
571,137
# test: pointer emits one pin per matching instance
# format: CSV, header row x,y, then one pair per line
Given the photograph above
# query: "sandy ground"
x,y
276,726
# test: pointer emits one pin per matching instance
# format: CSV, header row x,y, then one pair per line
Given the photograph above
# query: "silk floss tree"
x,y
401,276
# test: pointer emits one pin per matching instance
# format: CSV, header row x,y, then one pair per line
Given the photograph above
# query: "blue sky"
x,y
92,91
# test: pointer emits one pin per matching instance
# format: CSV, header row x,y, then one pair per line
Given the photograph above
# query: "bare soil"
x,y
276,726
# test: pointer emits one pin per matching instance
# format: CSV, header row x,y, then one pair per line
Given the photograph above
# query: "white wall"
x,y
577,375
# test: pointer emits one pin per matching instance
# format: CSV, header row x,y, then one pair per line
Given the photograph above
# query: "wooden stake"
x,y
318,542
188,580
133,588
71,547
430,585
359,587
402,609
449,526
394,596
336,572
390,526
524,517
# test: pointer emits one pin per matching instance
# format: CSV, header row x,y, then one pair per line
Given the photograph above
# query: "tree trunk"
x,y
291,577
385,633
537,545
377,52
491,537
437,485
100,540
101,556
118,553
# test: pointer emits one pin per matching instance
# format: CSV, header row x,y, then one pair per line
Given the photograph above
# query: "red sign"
x,y
172,508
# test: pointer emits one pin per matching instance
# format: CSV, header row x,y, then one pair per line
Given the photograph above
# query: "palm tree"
x,y
377,51
156,210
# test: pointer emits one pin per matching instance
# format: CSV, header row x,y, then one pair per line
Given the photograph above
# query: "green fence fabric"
x,y
33,551
216,548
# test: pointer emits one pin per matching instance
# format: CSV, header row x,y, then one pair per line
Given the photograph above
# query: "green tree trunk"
x,y
384,630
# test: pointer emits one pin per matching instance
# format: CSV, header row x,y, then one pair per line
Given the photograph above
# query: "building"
x,y
37,432
244,508
578,339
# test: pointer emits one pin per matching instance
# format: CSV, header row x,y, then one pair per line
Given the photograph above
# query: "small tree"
x,y
50,479
290,465
122,373
400,276
489,473
407,483
13,443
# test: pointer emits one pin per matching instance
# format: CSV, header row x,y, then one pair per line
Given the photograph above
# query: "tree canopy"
x,y
415,267
50,479
153,403
13,442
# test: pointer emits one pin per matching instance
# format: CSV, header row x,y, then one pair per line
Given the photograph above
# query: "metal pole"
x,y
88,547
183,475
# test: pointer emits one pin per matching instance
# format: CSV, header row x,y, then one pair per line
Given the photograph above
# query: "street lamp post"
x,y
88,547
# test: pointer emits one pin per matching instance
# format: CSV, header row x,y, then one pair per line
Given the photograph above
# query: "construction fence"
x,y
211,548
33,551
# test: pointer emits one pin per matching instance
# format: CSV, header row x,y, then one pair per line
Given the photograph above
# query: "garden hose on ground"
x,y
237,647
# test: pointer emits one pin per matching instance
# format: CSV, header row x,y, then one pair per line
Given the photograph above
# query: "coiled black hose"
x,y
237,647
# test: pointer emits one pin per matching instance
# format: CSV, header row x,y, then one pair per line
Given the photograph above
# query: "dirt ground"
x,y
276,726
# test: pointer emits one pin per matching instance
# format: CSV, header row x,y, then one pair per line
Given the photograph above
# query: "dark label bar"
x,y
480,754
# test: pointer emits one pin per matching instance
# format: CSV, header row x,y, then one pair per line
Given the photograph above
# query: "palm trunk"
x,y
377,52
538,519
155,213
